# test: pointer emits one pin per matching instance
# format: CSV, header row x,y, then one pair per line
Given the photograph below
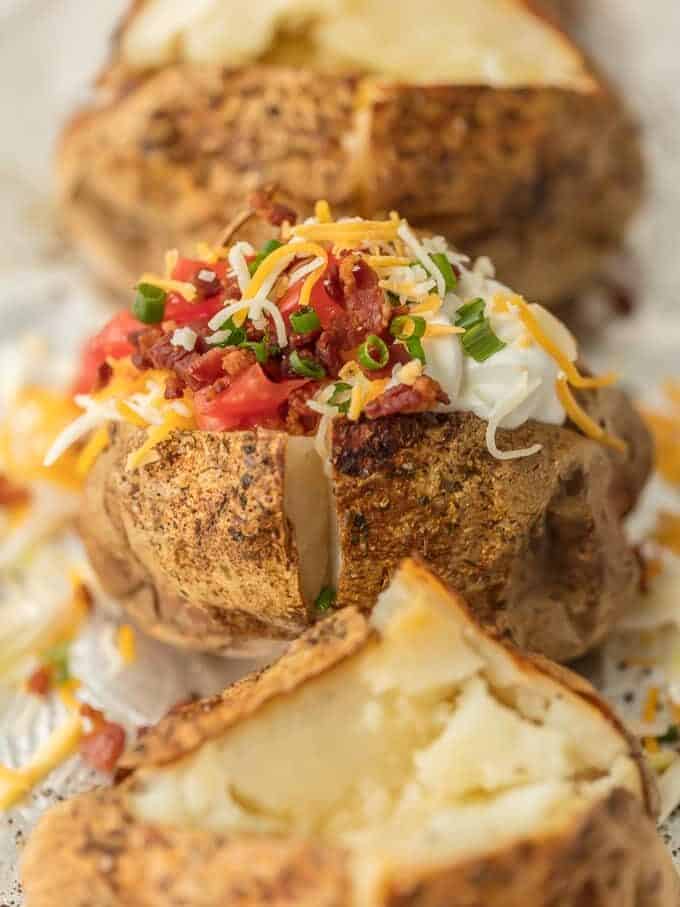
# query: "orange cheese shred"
x,y
582,420
574,377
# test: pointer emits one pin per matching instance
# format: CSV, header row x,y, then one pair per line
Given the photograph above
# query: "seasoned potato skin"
x,y
92,852
529,176
204,558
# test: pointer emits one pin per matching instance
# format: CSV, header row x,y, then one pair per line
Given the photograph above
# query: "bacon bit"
x,y
40,681
300,419
236,361
667,530
418,398
367,306
651,704
94,715
650,568
262,203
12,494
104,374
103,747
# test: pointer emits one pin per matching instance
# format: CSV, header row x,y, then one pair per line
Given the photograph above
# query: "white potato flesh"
x,y
306,506
495,42
415,750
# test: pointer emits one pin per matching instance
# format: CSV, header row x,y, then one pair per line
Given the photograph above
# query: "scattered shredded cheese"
x,y
173,421
97,443
187,290
171,259
127,643
322,210
582,420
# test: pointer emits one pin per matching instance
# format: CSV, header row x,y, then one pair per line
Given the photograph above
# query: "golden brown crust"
x,y
530,176
92,852
198,549
197,544
536,545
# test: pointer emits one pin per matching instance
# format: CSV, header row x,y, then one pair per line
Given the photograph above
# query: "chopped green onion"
x,y
259,347
415,348
447,272
149,304
305,320
57,658
406,326
480,342
270,246
470,314
237,335
308,368
392,298
373,353
325,599
341,396
672,735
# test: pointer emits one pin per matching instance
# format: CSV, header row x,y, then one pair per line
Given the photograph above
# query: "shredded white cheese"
x,y
185,338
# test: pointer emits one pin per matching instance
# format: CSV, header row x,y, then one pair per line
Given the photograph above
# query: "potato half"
x,y
224,542
478,120
409,759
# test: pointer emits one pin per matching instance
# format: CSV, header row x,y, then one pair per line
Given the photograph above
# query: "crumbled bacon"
x,y
403,398
174,387
40,681
329,350
367,306
267,209
300,419
13,494
235,361
103,746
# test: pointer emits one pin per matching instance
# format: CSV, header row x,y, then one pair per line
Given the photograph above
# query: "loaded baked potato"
x,y
273,430
402,759
480,121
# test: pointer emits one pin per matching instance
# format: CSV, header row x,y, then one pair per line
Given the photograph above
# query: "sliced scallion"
x,y
373,353
149,304
305,320
325,599
57,658
480,342
270,246
259,347
447,272
340,397
470,313
406,326
415,348
308,368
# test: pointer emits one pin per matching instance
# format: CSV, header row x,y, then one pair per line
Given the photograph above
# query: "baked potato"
x,y
480,121
403,759
364,407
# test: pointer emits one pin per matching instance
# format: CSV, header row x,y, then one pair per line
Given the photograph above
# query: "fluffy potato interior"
x,y
306,505
430,744
488,41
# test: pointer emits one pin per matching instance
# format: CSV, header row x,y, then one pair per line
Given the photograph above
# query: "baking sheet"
x,y
48,50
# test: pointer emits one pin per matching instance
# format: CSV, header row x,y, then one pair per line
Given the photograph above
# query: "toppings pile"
x,y
334,319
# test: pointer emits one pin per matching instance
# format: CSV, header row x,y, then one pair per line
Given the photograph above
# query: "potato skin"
x,y
197,545
536,546
92,852
204,559
529,176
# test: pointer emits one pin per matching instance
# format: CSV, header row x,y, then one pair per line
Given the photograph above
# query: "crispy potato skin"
x,y
92,852
536,546
198,549
197,545
530,176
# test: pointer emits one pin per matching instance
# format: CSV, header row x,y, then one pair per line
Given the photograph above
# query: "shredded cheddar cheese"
x,y
354,231
310,282
171,259
173,421
651,705
129,415
127,643
280,257
667,530
651,745
322,210
187,290
429,306
573,375
388,261
582,420
665,426
442,330
97,443
62,743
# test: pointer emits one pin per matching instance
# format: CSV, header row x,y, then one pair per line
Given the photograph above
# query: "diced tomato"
x,y
328,310
251,399
103,747
112,340
180,311
186,269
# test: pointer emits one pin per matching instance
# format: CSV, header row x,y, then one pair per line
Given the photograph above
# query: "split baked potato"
x,y
405,759
245,475
480,121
